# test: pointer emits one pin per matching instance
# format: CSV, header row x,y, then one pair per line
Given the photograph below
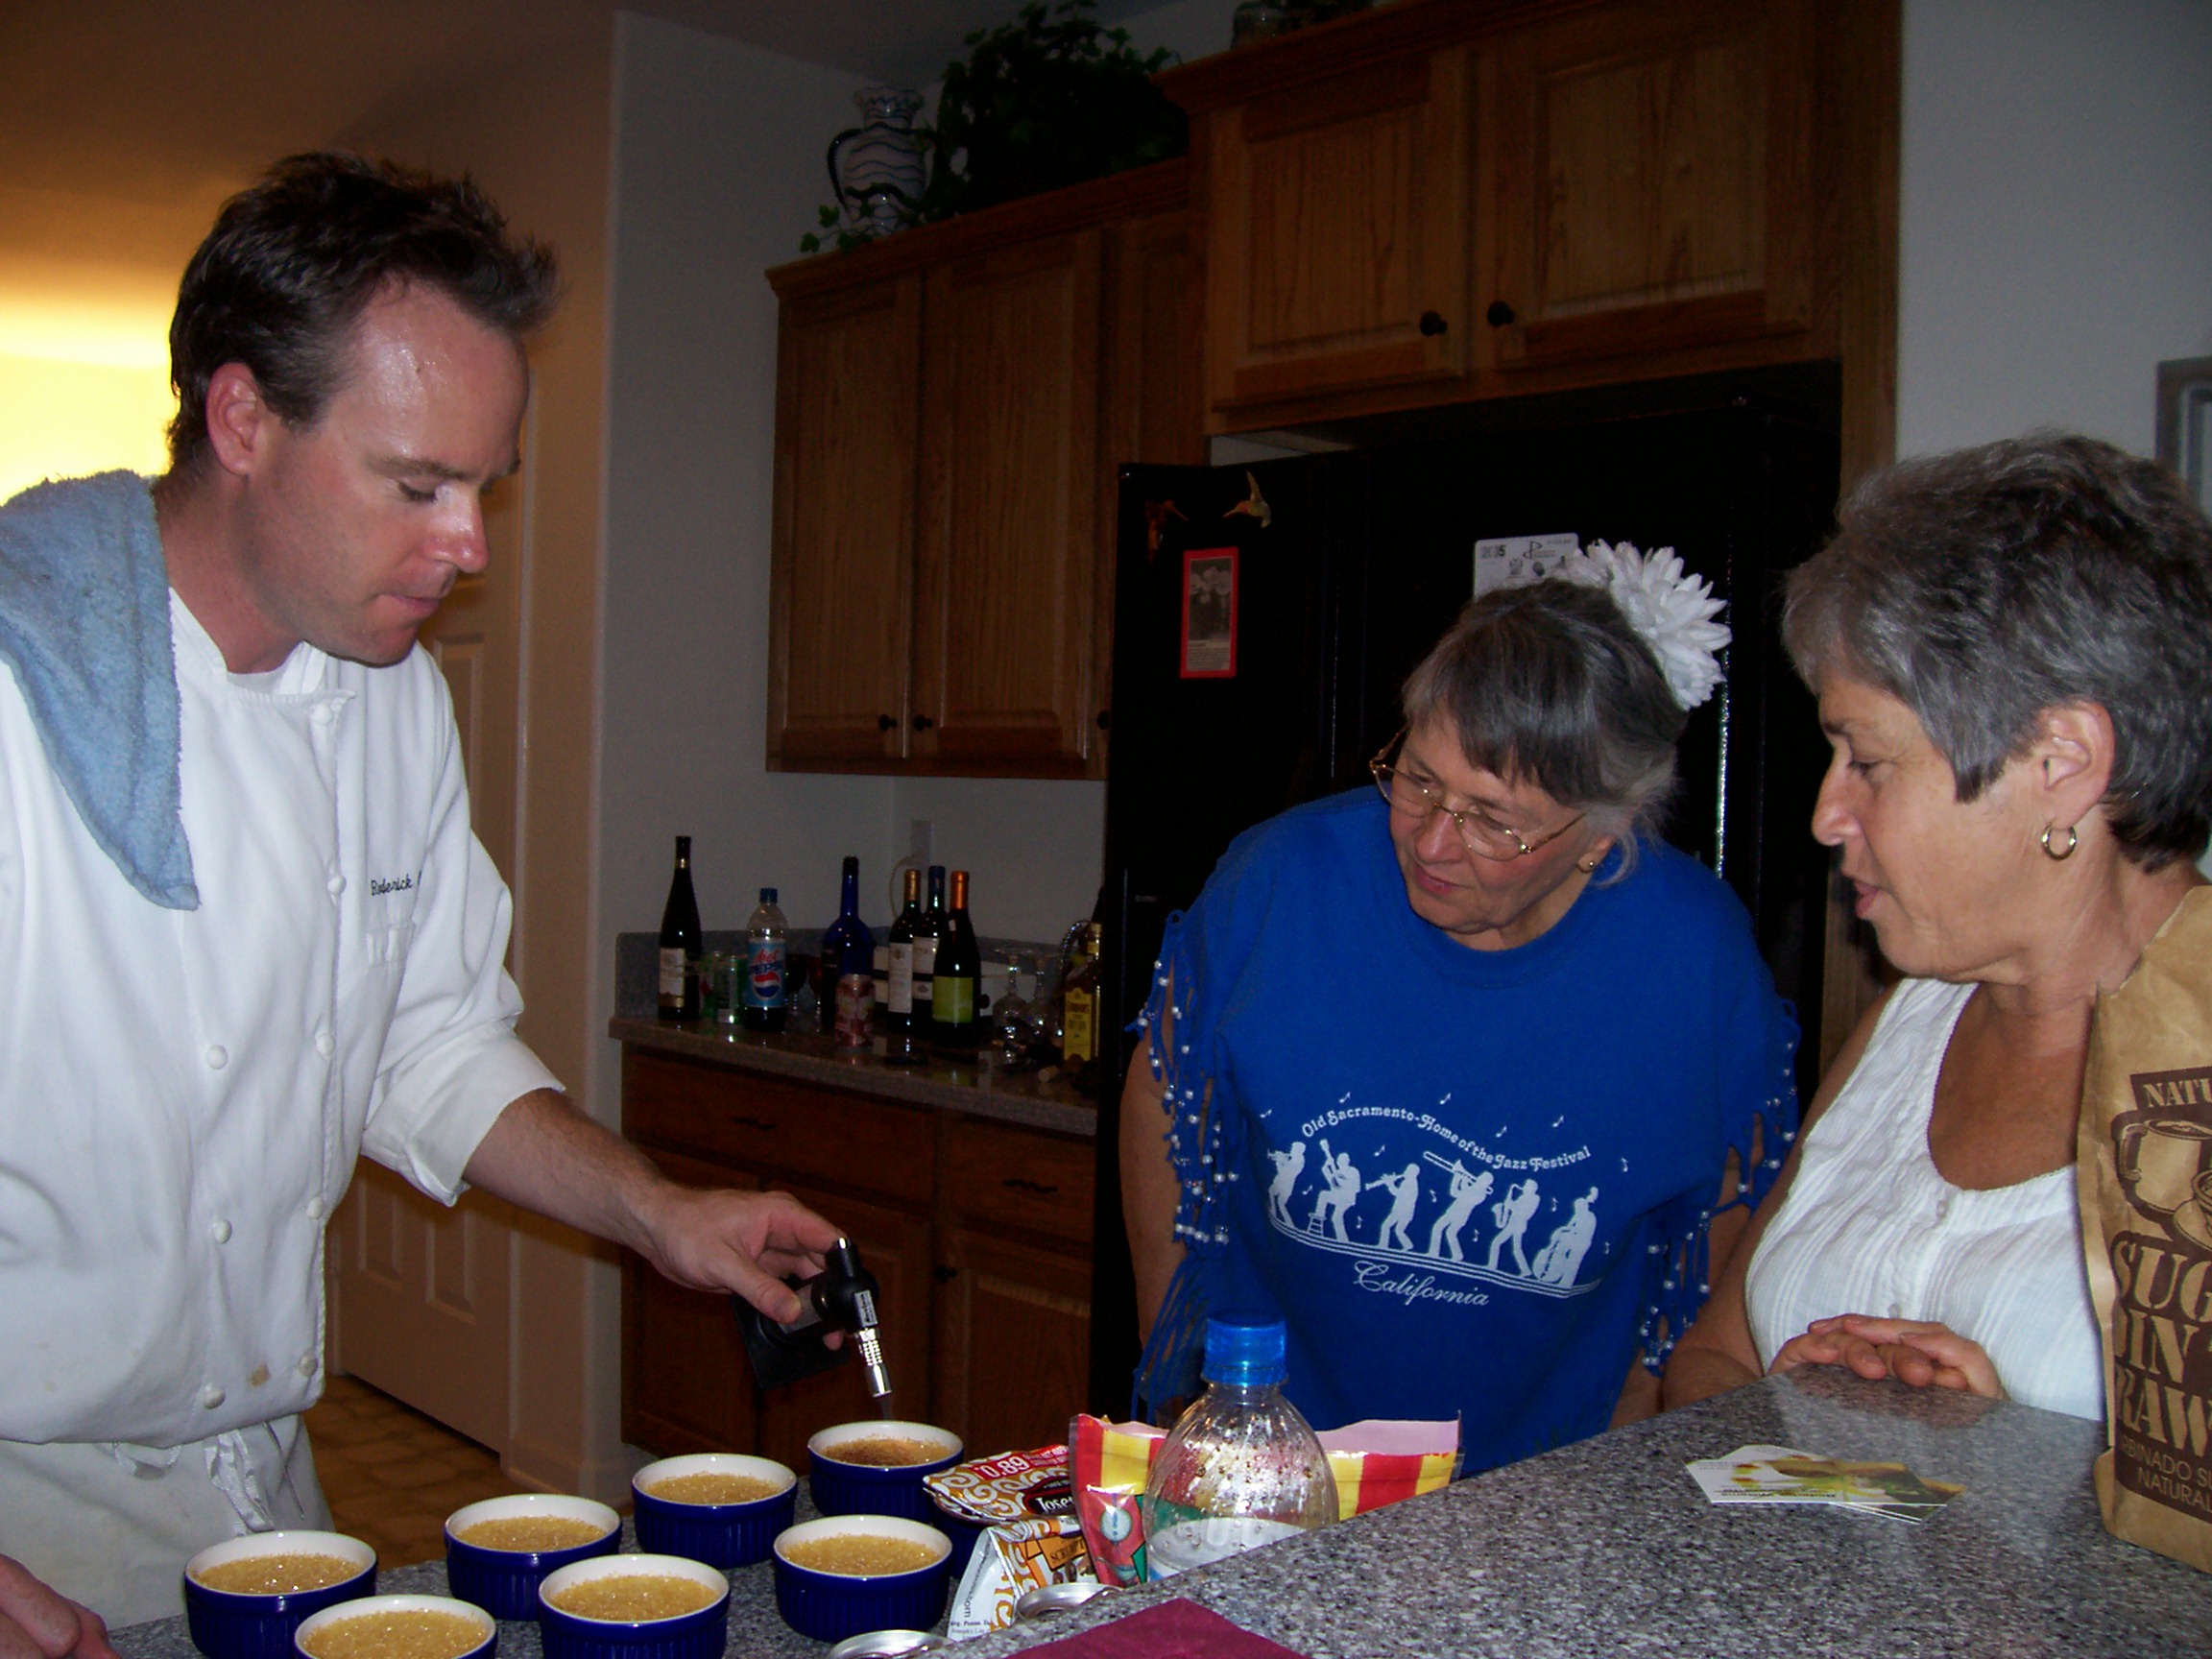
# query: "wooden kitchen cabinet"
x,y
1446,201
847,426
1337,232
978,1230
1651,170
1009,503
950,404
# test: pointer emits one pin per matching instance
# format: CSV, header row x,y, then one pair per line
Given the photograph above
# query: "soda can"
x,y
855,1016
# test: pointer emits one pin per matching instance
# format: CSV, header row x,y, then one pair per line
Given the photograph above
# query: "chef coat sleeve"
x,y
451,1061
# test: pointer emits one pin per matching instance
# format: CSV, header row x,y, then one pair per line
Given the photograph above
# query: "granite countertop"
x,y
973,1087
1606,1547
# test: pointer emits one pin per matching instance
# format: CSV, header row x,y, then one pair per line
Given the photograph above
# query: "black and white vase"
x,y
876,168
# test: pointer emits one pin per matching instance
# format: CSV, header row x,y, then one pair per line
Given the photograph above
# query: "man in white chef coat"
x,y
245,929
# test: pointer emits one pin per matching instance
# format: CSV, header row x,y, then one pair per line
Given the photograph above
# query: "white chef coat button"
x,y
321,714
336,884
221,1231
1896,1309
306,1365
323,1044
210,1396
315,1208
218,1056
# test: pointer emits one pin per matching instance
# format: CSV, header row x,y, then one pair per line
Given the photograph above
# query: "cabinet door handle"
x,y
944,1275
1500,315
922,722
744,1122
1021,1185
885,722
1433,323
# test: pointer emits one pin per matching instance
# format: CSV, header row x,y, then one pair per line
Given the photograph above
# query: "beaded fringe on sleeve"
x,y
1204,1140
1680,1276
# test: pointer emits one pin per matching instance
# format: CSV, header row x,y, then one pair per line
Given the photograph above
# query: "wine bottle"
x,y
954,1017
929,936
680,941
848,953
902,1042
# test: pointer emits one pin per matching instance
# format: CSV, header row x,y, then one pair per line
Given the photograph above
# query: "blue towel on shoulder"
x,y
85,623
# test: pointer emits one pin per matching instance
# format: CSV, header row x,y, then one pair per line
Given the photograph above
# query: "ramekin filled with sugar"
x,y
245,1597
498,1550
398,1628
846,1573
634,1607
719,1507
876,1468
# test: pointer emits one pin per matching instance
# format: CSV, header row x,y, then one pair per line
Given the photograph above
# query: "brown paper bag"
x,y
2145,1168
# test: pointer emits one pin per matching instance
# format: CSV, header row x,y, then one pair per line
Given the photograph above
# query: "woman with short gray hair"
x,y
1454,1072
2012,649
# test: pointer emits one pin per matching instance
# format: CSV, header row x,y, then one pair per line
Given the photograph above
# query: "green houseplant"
x,y
1051,98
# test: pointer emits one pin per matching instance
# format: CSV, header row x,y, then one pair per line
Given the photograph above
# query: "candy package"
x,y
1031,1537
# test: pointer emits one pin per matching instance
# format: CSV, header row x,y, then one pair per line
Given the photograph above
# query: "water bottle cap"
x,y
1244,1348
767,895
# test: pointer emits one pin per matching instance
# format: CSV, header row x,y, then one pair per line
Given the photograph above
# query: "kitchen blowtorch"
x,y
841,1297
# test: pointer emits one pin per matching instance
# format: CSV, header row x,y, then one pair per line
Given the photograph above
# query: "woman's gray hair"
x,y
1986,585
1550,685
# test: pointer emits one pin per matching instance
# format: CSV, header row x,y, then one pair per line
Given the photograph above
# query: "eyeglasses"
x,y
1478,833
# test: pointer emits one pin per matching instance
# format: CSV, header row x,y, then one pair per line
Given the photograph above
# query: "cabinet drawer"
x,y
1002,1176
770,1127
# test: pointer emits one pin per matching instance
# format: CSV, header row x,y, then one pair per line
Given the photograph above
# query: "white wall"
x,y
2057,219
718,171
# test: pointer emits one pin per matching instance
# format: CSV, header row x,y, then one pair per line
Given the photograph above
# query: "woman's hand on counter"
x,y
38,1622
1919,1353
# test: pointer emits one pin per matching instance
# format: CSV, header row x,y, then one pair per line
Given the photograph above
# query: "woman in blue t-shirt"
x,y
1494,1193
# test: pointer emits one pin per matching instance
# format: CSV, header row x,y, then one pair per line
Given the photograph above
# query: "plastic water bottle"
x,y
1243,1468
766,939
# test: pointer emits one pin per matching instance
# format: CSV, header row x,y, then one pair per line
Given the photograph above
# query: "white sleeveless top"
x,y
1871,1227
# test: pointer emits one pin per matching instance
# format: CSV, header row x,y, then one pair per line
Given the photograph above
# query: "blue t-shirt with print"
x,y
1474,1183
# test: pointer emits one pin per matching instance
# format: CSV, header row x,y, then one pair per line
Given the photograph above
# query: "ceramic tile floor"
x,y
393,1474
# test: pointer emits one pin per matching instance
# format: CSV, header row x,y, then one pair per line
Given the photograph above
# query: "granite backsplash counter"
x,y
1039,1101
1606,1547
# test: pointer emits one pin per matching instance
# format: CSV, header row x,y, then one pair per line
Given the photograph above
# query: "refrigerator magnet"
x,y
1209,613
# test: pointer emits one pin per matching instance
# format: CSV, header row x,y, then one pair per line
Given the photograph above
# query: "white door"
x,y
420,1293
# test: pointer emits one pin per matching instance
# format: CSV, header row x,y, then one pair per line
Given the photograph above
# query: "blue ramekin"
x,y
700,1635
719,1534
369,1606
504,1582
960,1530
830,1606
228,1626
867,1489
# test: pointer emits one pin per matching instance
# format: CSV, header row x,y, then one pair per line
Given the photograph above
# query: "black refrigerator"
x,y
1267,615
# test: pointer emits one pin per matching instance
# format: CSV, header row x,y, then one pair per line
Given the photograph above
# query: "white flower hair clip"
x,y
1671,608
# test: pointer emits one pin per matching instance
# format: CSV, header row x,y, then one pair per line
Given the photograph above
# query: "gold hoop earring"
x,y
2060,855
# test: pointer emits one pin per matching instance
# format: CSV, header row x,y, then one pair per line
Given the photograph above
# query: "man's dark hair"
x,y
292,263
